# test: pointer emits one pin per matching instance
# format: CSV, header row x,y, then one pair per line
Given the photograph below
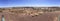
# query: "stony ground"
x,y
28,15
50,16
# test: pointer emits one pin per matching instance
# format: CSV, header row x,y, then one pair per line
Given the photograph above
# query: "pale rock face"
x,y
40,12
32,14
36,14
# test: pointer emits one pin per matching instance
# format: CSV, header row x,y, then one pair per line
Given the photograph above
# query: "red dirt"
x,y
45,17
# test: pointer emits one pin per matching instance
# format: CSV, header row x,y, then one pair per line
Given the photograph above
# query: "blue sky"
x,y
9,3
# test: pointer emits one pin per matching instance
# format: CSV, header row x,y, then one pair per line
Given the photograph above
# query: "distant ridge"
x,y
29,6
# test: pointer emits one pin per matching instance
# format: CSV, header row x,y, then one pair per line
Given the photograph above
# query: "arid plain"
x,y
30,13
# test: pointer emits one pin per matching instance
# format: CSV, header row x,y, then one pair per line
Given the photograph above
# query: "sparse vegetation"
x,y
1,11
30,9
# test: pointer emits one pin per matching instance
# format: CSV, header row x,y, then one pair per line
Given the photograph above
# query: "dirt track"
x,y
45,17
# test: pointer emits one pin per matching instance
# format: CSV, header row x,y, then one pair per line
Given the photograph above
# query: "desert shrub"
x,y
1,11
18,11
3,8
33,16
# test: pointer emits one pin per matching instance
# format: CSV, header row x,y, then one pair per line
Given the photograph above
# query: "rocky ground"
x,y
50,16
28,14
